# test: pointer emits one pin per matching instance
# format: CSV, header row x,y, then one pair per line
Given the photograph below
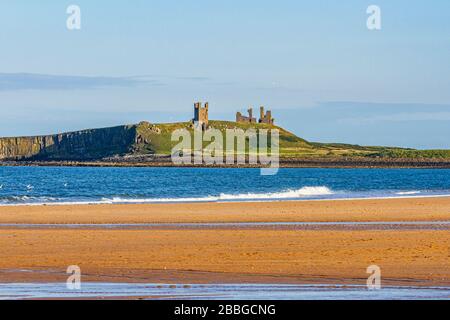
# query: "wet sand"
x,y
364,210
237,291
230,254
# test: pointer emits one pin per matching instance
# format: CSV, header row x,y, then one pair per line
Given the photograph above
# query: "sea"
x,y
99,185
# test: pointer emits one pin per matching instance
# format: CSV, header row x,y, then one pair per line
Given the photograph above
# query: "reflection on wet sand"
x,y
217,291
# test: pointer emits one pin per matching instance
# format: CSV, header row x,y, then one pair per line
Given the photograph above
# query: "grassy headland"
x,y
151,144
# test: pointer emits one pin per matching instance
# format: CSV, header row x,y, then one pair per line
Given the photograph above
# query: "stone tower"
x,y
265,117
244,119
201,115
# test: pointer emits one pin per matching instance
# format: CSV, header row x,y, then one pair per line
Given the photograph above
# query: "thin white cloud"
x,y
29,81
400,117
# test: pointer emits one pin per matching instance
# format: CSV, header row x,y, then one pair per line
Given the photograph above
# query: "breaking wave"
x,y
26,199
305,192
288,194
406,193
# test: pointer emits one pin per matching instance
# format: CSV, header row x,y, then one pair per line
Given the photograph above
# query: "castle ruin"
x,y
201,118
244,119
263,117
200,115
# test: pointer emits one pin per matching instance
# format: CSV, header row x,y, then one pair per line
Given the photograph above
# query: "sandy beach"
x,y
34,251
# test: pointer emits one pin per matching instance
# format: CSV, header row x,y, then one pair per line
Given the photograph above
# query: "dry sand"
x,y
406,257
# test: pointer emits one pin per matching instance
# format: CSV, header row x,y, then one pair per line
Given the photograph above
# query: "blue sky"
x,y
314,63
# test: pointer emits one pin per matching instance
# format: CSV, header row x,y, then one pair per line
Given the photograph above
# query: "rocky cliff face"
x,y
79,145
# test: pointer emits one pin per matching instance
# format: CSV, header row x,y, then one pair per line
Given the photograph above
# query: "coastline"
x,y
332,162
229,254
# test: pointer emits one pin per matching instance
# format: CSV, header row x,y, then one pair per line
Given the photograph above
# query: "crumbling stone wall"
x,y
265,117
244,119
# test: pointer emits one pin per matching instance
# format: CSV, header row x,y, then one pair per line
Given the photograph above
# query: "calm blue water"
x,y
220,291
25,185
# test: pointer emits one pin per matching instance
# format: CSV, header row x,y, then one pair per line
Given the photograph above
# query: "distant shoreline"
x,y
151,145
353,162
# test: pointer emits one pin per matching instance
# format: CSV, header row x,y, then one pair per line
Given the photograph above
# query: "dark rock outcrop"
x,y
79,145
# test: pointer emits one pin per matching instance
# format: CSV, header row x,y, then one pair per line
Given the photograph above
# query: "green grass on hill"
x,y
156,139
